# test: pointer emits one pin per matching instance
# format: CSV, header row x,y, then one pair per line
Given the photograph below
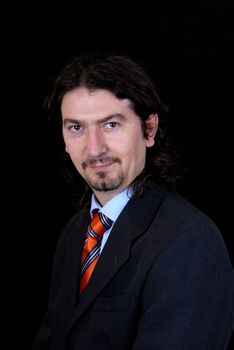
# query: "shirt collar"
x,y
113,207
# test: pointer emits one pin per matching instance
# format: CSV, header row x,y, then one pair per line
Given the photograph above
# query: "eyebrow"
x,y
118,116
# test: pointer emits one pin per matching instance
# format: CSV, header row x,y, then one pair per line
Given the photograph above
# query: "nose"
x,y
95,143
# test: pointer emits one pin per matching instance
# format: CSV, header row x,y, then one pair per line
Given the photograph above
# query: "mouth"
x,y
101,166
101,163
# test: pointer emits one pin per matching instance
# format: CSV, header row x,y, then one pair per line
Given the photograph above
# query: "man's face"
x,y
104,139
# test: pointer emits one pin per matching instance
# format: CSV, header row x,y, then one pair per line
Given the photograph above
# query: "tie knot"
x,y
98,225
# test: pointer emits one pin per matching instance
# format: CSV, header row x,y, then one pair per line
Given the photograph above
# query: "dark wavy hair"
x,y
126,79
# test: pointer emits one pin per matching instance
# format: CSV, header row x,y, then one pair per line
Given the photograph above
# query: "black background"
x,y
186,47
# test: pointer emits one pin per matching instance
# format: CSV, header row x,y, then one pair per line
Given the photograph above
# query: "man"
x,y
149,271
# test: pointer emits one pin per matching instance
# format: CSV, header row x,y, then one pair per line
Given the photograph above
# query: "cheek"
x,y
76,160
67,146
70,148
73,152
134,153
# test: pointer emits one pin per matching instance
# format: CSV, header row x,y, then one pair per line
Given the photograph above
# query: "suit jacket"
x,y
163,281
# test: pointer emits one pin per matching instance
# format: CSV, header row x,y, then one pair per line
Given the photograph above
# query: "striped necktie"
x,y
91,250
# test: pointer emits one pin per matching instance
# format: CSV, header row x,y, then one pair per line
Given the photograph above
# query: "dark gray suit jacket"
x,y
164,281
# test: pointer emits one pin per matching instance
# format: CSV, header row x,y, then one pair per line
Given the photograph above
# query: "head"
x,y
113,125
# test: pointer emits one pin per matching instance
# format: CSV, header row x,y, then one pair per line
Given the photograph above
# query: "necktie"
x,y
91,250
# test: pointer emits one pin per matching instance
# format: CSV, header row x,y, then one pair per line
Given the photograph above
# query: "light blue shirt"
x,y
112,209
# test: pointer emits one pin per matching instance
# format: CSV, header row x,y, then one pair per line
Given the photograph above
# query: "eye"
x,y
76,127
111,125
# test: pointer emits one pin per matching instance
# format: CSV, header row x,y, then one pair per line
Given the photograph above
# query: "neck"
x,y
105,196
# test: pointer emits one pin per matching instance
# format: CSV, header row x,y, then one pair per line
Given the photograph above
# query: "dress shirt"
x,y
112,209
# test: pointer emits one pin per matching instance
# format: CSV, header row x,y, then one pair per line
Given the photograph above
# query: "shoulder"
x,y
182,210
183,232
176,216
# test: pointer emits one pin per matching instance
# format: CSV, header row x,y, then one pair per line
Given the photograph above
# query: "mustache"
x,y
100,159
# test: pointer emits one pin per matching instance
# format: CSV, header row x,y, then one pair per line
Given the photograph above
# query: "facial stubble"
x,y
104,183
101,180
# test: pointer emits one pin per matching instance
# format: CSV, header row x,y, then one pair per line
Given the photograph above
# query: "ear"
x,y
151,129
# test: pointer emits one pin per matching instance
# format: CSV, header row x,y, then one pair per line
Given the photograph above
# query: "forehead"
x,y
85,101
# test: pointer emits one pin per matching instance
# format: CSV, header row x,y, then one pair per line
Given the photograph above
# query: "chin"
x,y
107,184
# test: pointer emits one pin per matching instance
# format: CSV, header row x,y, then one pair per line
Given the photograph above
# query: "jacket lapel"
x,y
76,230
132,222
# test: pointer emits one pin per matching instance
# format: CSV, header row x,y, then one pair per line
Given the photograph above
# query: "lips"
x,y
100,166
100,163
